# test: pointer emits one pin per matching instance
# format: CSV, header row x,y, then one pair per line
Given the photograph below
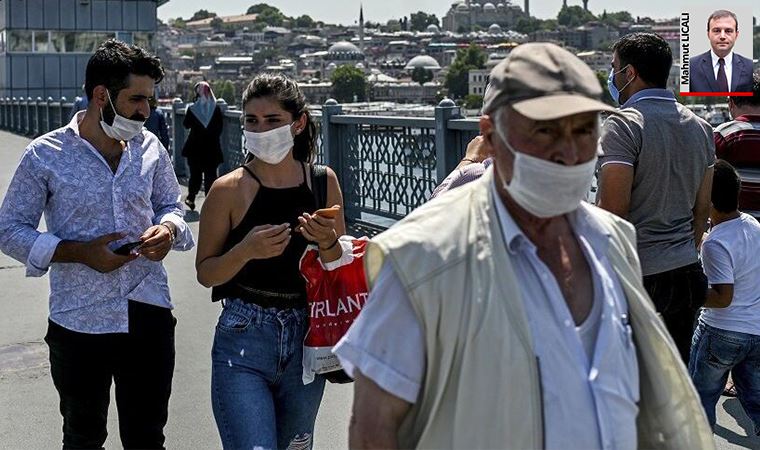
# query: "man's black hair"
x,y
725,188
754,100
113,63
649,54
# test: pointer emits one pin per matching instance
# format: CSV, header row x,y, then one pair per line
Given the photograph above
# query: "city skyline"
x,y
346,12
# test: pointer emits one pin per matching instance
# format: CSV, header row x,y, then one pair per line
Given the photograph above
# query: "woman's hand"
x,y
266,241
319,229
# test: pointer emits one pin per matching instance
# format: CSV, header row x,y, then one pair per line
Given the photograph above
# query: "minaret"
x,y
361,28
527,7
585,5
564,3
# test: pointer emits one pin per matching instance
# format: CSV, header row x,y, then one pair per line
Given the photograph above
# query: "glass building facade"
x,y
45,44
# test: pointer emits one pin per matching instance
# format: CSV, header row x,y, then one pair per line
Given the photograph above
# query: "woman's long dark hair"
x,y
291,99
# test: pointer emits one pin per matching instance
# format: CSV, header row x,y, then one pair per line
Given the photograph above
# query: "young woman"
x,y
202,147
254,227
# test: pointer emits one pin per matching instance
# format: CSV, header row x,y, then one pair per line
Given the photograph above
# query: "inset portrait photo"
x,y
716,49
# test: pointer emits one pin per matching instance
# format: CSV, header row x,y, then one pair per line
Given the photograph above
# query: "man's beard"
x,y
109,115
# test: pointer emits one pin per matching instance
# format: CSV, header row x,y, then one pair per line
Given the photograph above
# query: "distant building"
x,y
341,54
316,93
592,36
45,44
470,15
599,61
238,21
477,81
405,92
423,61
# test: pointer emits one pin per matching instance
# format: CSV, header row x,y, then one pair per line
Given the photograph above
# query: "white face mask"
x,y
122,129
270,146
546,189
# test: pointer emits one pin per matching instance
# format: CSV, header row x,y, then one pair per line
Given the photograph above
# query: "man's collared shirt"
x,y
729,68
738,141
671,150
649,94
590,394
64,176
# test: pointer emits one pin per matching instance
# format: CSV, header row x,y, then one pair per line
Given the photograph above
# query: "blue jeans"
x,y
257,394
715,353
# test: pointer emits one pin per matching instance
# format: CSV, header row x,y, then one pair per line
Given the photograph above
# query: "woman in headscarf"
x,y
202,147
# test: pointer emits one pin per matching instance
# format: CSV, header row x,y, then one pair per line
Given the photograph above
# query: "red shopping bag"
x,y
335,298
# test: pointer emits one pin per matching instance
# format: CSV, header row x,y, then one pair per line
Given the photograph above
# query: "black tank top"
x,y
274,282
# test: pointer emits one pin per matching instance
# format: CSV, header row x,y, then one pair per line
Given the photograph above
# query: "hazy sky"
x,y
347,11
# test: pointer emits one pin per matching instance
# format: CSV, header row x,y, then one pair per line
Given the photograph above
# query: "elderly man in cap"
x,y
509,314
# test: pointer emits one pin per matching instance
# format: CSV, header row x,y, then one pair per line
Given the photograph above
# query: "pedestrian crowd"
x,y
506,312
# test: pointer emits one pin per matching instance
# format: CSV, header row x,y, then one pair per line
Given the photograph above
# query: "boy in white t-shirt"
x,y
727,338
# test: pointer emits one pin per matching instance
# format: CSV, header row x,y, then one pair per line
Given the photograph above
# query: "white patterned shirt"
x,y
65,177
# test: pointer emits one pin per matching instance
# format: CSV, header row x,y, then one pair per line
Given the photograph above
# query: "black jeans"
x,y
678,295
199,173
140,362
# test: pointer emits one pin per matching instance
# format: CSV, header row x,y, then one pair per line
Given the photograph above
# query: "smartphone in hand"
x,y
330,213
127,248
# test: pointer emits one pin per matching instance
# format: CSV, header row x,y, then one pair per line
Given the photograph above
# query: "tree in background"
x,y
179,22
217,24
267,15
606,97
472,101
457,80
615,18
349,82
420,21
526,25
422,75
224,89
200,15
574,16
304,21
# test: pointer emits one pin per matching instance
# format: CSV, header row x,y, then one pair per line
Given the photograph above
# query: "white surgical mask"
x,y
122,129
544,188
270,146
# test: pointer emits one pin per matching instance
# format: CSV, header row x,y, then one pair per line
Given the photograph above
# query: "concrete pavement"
x,y
29,418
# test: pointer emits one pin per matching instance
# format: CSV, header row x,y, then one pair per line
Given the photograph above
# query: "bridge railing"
x,y
386,166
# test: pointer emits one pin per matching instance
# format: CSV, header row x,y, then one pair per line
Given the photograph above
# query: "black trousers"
x,y
678,295
141,364
200,173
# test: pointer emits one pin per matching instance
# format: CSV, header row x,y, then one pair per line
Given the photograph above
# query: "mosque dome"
x,y
489,7
494,29
423,61
343,47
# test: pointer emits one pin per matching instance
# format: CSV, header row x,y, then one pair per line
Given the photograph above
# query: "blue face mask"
x,y
614,92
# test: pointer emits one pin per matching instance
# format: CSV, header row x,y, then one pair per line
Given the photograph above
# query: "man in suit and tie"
x,y
720,69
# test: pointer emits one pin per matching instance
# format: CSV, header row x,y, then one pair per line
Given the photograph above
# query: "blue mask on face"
x,y
614,92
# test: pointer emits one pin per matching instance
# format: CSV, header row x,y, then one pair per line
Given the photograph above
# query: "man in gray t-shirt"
x,y
657,172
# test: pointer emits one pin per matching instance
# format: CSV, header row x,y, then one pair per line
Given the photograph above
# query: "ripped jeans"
x,y
258,398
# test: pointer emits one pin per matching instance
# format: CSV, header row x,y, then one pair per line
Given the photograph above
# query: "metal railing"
x,y
386,166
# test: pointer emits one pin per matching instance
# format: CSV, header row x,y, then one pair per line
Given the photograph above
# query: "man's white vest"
x,y
481,388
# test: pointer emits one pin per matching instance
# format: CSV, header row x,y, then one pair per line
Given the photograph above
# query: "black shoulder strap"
x,y
319,184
